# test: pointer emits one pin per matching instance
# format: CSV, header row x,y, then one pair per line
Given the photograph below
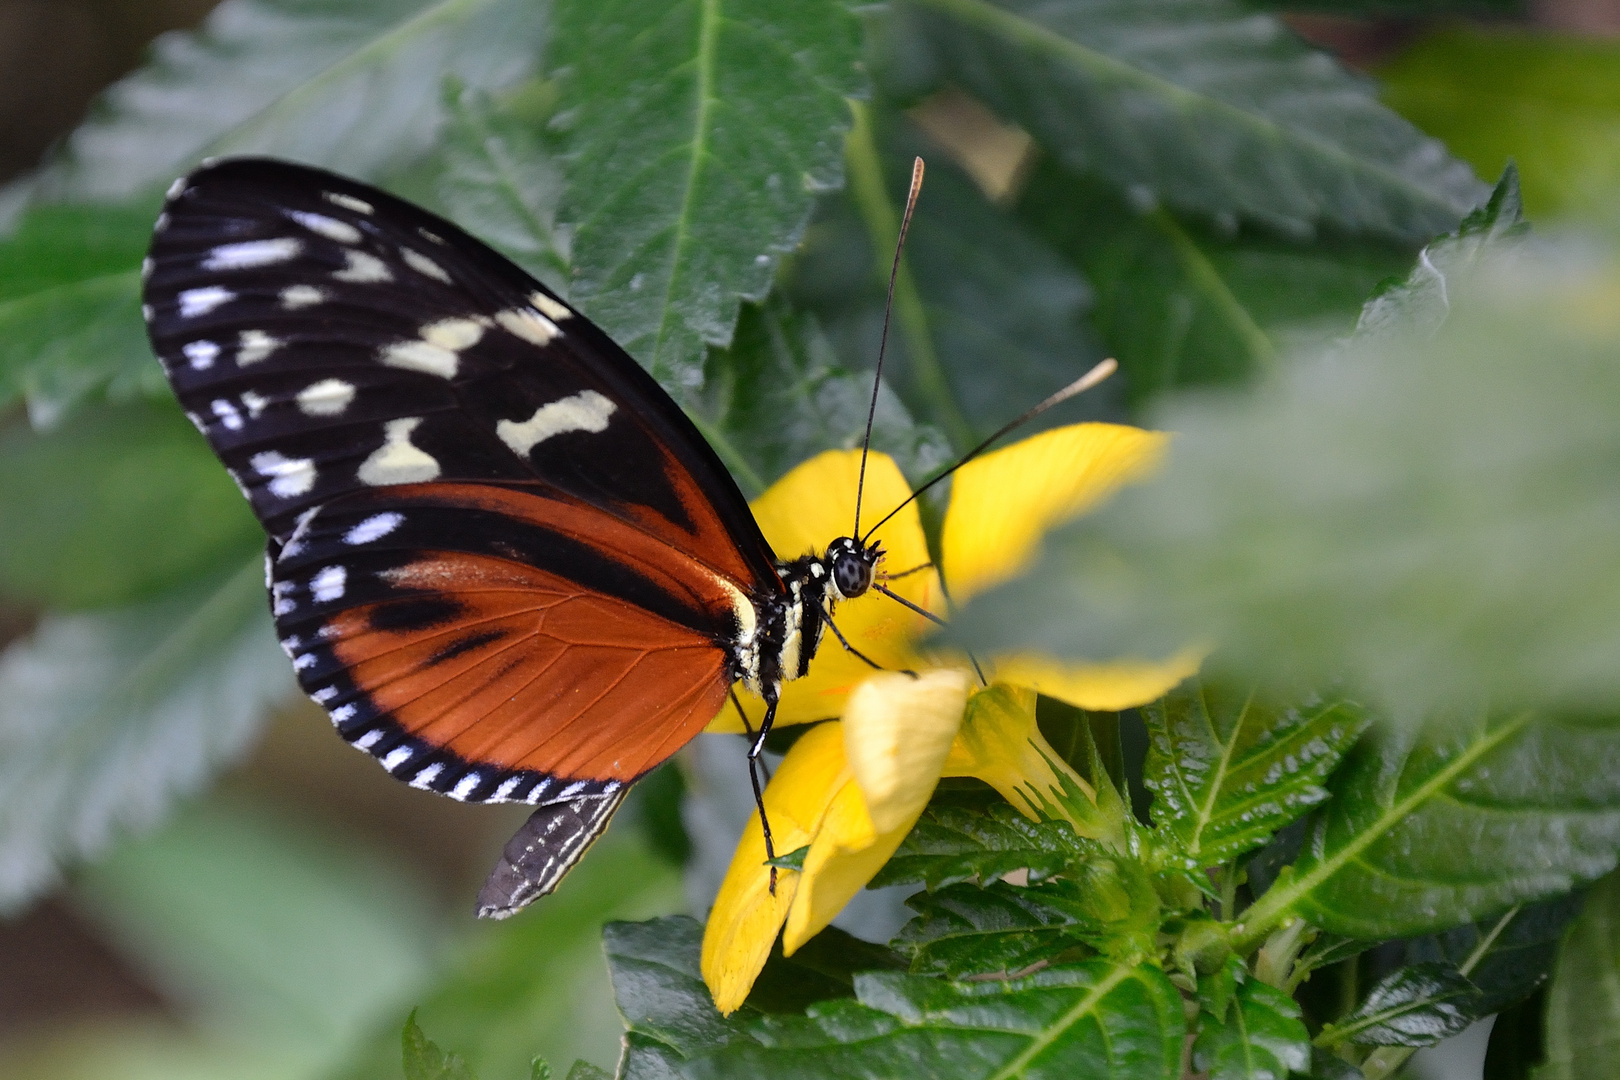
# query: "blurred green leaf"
x,y
1262,1038
784,396
106,717
1583,1009
1550,103
1099,1019
1416,1006
1207,106
1180,303
425,1060
696,139
263,927
584,1070
982,841
497,180
1515,1047
113,507
1422,510
537,982
1508,957
1229,768
353,85
70,321
988,318
1537,799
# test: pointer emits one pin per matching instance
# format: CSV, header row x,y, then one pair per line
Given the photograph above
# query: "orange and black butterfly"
x,y
500,556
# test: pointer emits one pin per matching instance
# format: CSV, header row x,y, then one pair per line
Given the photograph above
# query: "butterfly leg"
x,y
826,617
755,764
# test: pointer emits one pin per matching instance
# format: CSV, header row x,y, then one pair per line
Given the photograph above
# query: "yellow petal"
x,y
745,917
845,854
1108,687
1002,503
1001,744
801,514
897,732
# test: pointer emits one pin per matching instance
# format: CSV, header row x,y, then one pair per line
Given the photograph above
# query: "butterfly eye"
x,y
851,573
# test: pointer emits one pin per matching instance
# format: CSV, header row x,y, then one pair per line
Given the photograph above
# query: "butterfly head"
x,y
851,566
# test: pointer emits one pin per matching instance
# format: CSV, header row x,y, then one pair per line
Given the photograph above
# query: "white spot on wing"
x,y
348,202
574,789
289,477
328,584
294,297
500,793
528,324
301,663
584,411
161,223
433,236
201,301
424,265
397,757
253,346
146,269
423,356
427,775
453,334
281,602
227,414
363,269
329,397
251,253
373,528
201,354
343,714
255,403
175,189
397,461
369,739
324,694
550,308
329,227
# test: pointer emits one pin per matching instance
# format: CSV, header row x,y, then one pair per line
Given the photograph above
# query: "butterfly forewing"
x,y
501,558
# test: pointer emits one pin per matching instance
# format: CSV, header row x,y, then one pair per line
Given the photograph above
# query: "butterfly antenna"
x,y
1079,386
883,342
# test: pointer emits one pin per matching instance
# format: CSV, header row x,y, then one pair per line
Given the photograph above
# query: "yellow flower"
x,y
850,791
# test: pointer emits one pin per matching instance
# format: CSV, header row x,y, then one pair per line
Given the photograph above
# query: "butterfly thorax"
x,y
791,624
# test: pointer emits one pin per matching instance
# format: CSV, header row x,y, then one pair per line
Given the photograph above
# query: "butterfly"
x,y
499,555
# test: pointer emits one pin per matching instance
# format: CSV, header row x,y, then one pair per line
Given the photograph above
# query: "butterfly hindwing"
x,y
501,557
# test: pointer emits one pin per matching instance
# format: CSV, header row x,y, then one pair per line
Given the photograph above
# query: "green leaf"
x,y
997,930
70,321
105,718
821,969
1419,511
1204,105
1583,1008
584,1070
1263,1038
1181,303
1228,769
1416,1006
698,135
1509,957
1515,1047
1101,1018
981,840
536,983
988,318
497,180
255,919
354,85
1501,94
116,506
786,397
1538,800
424,1060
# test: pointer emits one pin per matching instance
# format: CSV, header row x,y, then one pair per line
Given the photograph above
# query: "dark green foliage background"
x,y
1368,827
